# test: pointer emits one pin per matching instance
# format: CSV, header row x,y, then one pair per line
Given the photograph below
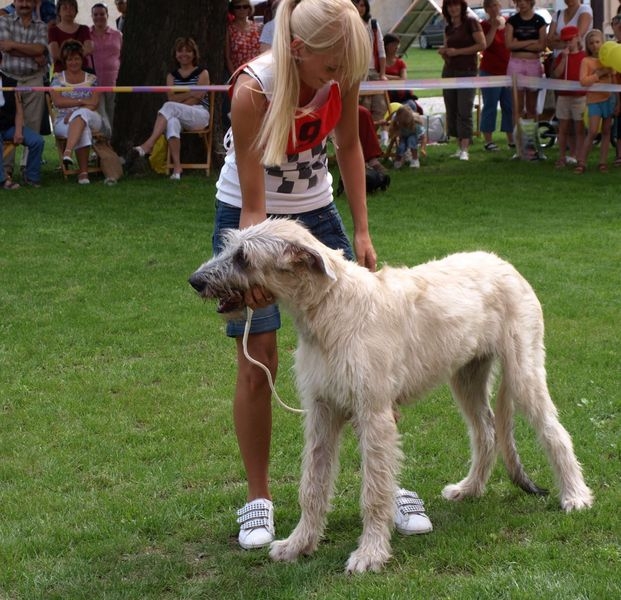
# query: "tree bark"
x,y
150,29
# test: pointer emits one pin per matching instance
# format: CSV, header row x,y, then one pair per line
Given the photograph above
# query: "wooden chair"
x,y
7,148
61,143
206,135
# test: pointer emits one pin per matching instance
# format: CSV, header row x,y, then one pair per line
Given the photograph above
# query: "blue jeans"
x,y
34,142
491,98
324,223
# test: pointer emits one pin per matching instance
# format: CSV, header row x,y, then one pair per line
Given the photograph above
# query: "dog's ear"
x,y
310,258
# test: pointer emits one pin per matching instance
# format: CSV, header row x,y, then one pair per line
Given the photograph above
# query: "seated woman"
x,y
184,110
77,116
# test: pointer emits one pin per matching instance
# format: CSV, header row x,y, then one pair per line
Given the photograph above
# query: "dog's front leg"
x,y
381,456
323,426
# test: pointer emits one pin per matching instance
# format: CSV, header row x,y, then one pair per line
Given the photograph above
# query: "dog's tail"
x,y
506,439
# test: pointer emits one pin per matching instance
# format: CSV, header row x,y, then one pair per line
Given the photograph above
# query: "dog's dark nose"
x,y
196,281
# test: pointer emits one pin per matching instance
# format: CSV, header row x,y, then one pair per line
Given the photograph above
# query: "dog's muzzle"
x,y
197,282
231,301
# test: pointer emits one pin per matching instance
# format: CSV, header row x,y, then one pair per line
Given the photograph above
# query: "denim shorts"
x,y
603,109
324,223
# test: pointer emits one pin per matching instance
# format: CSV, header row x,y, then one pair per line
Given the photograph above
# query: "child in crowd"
x,y
601,105
407,125
616,29
569,105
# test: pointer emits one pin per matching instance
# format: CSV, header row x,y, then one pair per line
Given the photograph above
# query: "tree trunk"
x,y
148,36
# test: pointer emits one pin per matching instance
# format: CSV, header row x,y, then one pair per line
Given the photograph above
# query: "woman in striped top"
x,y
184,110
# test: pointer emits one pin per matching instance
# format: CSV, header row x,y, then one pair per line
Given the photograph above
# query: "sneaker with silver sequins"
x,y
256,521
410,517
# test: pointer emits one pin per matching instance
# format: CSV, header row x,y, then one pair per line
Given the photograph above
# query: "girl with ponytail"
x,y
284,104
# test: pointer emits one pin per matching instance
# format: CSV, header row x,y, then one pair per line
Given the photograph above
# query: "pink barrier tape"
x,y
485,82
150,89
432,84
365,86
566,86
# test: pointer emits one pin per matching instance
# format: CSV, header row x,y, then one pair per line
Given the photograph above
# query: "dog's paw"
x,y
577,501
454,492
288,550
461,490
361,561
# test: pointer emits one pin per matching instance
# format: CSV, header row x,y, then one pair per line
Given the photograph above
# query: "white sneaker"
x,y
463,155
256,520
397,164
410,517
415,163
457,154
175,177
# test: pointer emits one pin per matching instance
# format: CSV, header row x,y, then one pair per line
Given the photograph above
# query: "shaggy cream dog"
x,y
371,341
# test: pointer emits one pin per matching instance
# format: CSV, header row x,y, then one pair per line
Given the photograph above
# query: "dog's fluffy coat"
x,y
371,341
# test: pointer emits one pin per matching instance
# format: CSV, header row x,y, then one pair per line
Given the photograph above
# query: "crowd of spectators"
x,y
33,32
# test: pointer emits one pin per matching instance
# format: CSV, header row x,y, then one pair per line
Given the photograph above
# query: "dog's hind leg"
x,y
506,439
381,456
323,425
530,394
471,386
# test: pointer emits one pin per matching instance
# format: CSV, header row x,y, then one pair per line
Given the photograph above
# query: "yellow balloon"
x,y
604,53
614,58
393,107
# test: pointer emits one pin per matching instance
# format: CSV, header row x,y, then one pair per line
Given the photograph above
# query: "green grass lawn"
x,y
424,64
119,470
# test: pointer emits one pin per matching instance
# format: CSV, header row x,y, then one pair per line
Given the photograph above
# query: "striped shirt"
x,y
191,79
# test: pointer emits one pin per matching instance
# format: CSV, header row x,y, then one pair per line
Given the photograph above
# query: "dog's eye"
x,y
240,259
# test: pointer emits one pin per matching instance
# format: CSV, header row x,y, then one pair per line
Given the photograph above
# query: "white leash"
x,y
297,411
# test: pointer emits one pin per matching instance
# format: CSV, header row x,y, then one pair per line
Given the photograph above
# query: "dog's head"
x,y
279,255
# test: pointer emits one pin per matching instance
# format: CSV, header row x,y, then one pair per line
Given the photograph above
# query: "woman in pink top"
x,y
107,44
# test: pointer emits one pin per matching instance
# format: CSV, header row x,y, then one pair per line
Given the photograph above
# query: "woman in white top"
x,y
577,14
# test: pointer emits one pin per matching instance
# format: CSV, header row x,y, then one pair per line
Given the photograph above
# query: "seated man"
x,y
12,129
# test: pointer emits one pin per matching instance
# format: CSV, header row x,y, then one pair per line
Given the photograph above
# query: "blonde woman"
x,y
284,105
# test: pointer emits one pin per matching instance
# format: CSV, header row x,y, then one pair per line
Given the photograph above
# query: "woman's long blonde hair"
x,y
324,26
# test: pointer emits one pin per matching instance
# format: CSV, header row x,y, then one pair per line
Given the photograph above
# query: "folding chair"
x,y
61,143
206,135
